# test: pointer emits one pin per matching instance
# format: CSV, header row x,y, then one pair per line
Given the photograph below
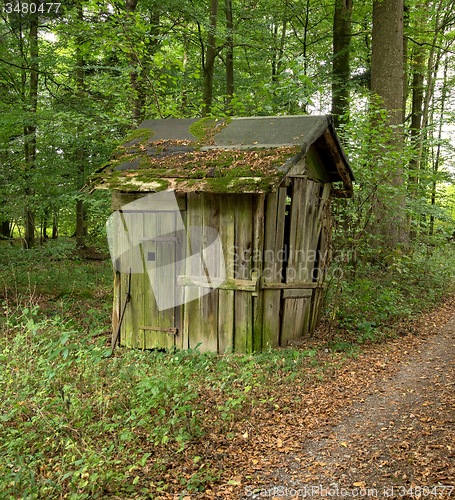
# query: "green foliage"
x,y
76,421
367,299
29,274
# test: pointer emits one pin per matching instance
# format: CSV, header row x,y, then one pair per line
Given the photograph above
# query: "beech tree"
x,y
387,82
341,67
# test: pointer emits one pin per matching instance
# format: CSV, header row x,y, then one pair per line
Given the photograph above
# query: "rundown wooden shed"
x,y
257,191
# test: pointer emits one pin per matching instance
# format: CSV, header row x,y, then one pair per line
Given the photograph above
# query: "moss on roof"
x,y
226,155
141,165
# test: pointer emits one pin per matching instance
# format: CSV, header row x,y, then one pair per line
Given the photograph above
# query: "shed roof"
x,y
228,155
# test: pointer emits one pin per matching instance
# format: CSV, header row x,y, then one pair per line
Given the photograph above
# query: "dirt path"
x,y
381,427
400,434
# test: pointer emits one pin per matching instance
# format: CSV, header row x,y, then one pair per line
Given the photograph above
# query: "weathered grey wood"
x,y
339,162
316,309
315,166
158,329
296,318
297,293
324,222
166,277
303,243
228,283
179,290
275,211
122,248
288,253
116,305
135,307
149,313
243,301
120,199
193,326
258,250
294,285
209,301
225,295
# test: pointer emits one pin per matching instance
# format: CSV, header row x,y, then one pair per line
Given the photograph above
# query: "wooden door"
x,y
160,252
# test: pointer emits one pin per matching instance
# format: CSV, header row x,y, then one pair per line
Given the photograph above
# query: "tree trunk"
x,y
437,160
209,62
341,70
54,225
387,81
81,230
136,112
30,131
417,89
229,53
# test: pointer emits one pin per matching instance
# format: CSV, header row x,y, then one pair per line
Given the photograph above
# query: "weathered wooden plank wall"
x,y
144,325
226,297
149,313
307,211
257,263
193,316
157,325
243,301
324,252
132,226
269,297
272,266
209,302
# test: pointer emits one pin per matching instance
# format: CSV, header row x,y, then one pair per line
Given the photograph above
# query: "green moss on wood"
x,y
206,128
139,135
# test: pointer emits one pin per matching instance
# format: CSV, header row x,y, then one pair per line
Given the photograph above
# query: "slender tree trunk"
x,y
209,62
44,222
229,53
417,89
405,59
54,225
280,42
437,160
136,113
305,38
387,81
81,229
30,130
341,70
434,59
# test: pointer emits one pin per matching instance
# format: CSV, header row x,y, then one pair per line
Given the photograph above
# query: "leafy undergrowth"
x,y
379,299
78,422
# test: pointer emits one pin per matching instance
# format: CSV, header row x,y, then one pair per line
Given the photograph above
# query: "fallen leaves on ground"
x,y
381,420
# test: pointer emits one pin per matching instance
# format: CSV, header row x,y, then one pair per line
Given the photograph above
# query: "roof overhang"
x,y
248,155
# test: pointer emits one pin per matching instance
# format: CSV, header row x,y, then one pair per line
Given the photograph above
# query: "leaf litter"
x,y
380,424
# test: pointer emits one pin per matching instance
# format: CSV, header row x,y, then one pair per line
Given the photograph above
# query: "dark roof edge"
x,y
340,160
340,147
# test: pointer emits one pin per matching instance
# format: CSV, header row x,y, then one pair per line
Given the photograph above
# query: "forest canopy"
x,y
75,77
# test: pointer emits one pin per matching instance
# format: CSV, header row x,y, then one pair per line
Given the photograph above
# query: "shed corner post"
x,y
116,306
